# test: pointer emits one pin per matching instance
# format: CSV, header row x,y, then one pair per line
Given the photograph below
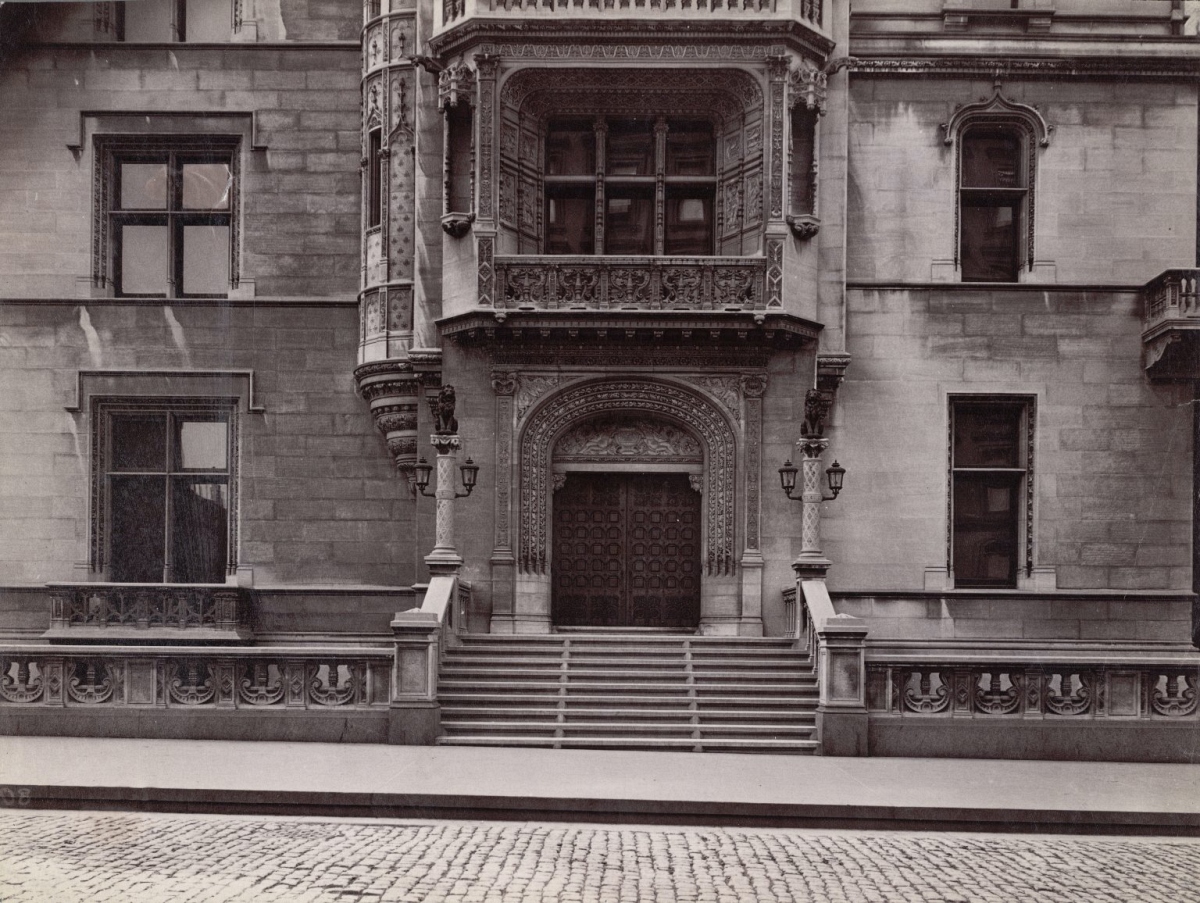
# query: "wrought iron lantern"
x,y
423,471
470,473
835,475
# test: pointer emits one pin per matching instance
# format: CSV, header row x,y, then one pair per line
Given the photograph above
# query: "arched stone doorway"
x,y
627,525
604,419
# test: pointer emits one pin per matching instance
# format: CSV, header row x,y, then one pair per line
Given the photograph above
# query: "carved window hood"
x,y
1171,325
461,22
657,329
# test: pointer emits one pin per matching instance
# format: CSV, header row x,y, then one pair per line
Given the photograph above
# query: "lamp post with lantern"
x,y
444,559
811,562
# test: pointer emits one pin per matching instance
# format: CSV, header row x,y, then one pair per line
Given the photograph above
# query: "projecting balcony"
x,y
687,298
1171,325
456,12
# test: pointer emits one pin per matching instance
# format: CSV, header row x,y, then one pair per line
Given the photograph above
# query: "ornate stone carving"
x,y
774,276
998,107
777,69
992,697
531,389
261,683
332,683
920,696
619,437
1174,694
808,85
442,407
487,271
21,680
817,405
190,682
456,84
1068,694
725,390
504,382
657,399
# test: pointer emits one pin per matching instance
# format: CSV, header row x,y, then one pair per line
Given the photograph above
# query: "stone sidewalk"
x,y
156,858
598,786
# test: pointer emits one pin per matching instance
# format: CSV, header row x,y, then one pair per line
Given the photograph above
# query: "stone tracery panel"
x,y
632,397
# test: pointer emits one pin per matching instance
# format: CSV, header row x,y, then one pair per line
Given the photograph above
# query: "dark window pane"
x,y
205,260
138,506
143,186
207,186
150,21
208,20
989,240
985,529
630,150
144,252
570,222
987,435
374,178
460,126
139,442
201,444
571,150
804,135
199,530
690,149
629,224
991,160
689,224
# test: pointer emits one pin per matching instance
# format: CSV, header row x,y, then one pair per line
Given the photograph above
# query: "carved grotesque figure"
x,y
443,412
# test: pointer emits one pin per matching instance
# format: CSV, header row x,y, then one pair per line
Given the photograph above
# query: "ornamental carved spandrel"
x,y
656,399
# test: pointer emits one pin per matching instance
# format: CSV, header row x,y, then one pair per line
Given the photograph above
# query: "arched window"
x,y
993,194
995,165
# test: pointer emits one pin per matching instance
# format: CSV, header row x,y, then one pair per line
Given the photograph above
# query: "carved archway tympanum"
x,y
635,398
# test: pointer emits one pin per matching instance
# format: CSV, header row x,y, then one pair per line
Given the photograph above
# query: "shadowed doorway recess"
x,y
627,551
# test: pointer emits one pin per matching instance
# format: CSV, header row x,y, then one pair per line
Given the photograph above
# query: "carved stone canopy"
x,y
620,438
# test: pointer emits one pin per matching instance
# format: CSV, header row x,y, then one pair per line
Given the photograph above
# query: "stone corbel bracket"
x,y
831,370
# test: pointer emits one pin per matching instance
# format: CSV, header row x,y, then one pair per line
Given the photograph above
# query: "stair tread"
x,y
595,742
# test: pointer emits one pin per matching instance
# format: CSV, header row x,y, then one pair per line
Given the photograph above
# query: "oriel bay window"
x,y
991,464
165,490
630,186
170,219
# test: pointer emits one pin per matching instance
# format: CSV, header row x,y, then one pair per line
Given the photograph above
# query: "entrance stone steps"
x,y
627,691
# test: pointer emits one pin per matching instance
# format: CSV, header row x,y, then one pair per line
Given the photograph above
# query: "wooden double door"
x,y
627,551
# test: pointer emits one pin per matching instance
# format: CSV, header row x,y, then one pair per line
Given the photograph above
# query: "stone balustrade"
x,y
117,611
630,283
195,676
1076,687
810,11
1173,294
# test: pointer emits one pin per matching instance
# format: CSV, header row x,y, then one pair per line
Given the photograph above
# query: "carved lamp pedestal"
x,y
444,559
812,564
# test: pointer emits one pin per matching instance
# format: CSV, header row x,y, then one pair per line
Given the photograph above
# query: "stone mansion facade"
x,y
592,274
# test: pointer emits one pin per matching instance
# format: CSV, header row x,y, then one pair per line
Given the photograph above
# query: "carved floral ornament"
x,y
617,438
456,85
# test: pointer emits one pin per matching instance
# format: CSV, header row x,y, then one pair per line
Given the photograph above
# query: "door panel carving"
x,y
627,551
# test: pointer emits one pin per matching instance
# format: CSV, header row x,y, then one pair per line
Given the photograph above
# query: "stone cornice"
x,y
631,40
1017,59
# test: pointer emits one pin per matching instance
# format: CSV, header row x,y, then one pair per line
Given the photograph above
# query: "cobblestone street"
x,y
64,857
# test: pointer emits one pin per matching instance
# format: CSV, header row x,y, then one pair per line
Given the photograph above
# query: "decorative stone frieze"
x,y
223,677
1094,690
163,613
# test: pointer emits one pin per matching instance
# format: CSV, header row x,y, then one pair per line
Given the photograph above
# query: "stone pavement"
x,y
597,785
62,857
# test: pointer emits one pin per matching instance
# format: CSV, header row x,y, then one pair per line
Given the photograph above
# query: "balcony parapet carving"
x,y
1078,689
455,11
1171,324
630,283
116,612
295,678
